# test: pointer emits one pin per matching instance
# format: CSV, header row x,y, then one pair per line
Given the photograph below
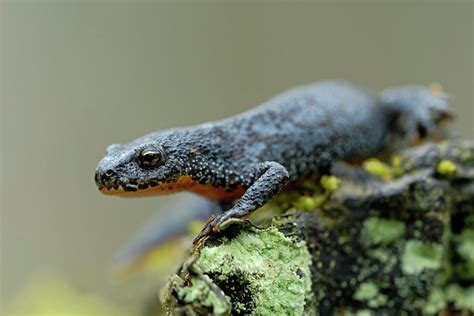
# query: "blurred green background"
x,y
77,76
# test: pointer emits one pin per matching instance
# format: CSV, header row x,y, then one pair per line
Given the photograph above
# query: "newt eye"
x,y
150,157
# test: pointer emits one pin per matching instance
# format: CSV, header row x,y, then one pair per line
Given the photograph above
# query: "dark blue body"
x,y
252,156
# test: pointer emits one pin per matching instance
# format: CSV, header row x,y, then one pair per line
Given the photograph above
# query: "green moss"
x,y
307,203
381,255
378,168
397,166
366,291
364,312
330,183
275,269
436,302
446,168
463,298
369,292
378,301
320,193
418,256
381,231
465,244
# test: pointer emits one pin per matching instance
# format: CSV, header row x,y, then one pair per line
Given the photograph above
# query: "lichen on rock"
x,y
393,237
261,271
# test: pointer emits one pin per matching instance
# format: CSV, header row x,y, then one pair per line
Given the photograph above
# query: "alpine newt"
x,y
250,157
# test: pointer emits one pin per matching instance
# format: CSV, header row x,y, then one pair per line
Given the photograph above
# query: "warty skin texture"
x,y
252,156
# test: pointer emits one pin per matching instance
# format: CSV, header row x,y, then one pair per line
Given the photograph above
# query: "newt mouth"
x,y
141,189
151,187
127,187
183,183
110,183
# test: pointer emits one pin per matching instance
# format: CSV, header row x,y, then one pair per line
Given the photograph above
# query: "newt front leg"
x,y
270,178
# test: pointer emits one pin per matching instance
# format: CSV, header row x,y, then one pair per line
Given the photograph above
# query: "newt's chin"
x,y
183,183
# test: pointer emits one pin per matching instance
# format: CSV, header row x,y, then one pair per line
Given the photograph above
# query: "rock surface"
x,y
392,237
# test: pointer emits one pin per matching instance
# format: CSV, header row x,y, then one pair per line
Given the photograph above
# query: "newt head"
x,y
148,165
158,164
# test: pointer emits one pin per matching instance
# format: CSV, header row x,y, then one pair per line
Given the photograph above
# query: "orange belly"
x,y
184,183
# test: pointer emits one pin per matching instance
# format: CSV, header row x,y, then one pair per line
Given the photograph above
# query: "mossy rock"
x,y
371,245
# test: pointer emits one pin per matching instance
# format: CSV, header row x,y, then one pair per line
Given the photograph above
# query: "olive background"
x,y
78,76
